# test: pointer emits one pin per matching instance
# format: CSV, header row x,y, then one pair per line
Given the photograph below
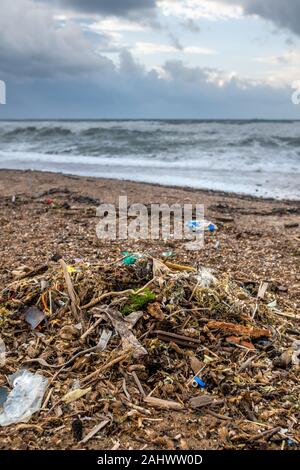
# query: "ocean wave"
x,y
35,132
232,162
152,148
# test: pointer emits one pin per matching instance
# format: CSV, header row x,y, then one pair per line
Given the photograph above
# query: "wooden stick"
x,y
115,294
106,367
71,291
91,328
94,431
164,404
138,383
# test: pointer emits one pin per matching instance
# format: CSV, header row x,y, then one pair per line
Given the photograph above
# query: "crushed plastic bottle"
x,y
198,225
25,399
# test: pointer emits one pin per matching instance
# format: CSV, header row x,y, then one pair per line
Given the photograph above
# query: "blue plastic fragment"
x,y
196,225
199,382
211,227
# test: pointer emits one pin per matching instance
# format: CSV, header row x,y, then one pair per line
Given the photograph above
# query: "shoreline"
x,y
226,194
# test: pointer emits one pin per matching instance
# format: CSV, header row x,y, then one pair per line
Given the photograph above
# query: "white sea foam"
x,y
249,157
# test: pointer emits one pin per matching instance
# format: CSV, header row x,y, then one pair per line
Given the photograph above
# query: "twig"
x,y
94,431
91,328
163,404
266,434
59,366
179,339
247,363
217,415
72,294
115,294
106,367
139,385
287,315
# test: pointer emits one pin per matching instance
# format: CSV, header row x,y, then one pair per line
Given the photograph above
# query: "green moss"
x,y
138,301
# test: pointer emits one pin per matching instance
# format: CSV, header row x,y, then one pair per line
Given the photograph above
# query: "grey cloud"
x,y
133,92
284,13
141,10
54,72
111,7
32,45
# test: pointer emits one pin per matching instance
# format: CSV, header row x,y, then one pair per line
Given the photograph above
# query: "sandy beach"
x,y
47,216
254,242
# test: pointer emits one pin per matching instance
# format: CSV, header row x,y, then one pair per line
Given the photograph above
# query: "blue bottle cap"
x,y
199,382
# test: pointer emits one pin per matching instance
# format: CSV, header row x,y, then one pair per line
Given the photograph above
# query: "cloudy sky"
x,y
149,58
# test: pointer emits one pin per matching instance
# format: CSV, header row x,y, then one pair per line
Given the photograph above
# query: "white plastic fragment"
x,y
2,352
25,399
205,277
296,353
272,305
104,339
34,317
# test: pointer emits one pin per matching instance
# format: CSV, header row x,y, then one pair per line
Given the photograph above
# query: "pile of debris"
x,y
119,348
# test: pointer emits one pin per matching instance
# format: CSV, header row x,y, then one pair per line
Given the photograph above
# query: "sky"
x,y
168,59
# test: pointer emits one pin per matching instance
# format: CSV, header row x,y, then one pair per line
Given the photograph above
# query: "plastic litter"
x,y
131,258
170,313
206,278
3,396
197,226
296,353
48,201
2,353
197,382
25,399
34,317
104,339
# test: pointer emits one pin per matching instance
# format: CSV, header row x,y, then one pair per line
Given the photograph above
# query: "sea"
x,y
260,158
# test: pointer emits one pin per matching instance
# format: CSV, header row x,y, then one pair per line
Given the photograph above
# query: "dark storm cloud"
x,y
111,7
131,91
52,70
32,45
284,13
